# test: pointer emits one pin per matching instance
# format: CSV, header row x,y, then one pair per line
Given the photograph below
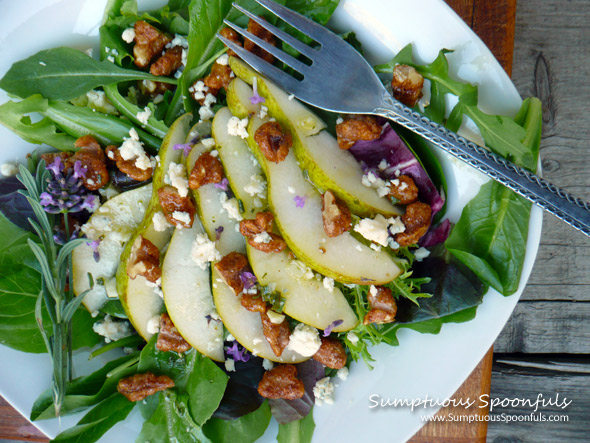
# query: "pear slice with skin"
x,y
342,258
112,224
307,301
328,166
238,99
140,300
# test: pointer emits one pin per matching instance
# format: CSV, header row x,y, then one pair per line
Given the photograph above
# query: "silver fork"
x,y
339,79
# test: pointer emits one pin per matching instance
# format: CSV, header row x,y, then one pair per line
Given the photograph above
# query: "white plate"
x,y
423,365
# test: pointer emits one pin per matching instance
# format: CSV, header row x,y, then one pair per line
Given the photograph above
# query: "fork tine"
x,y
274,74
273,50
287,38
303,24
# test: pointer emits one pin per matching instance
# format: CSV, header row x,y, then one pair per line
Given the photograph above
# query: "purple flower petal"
x,y
209,319
46,199
299,201
256,98
89,203
331,326
94,245
56,166
79,170
248,279
218,231
223,184
186,147
237,352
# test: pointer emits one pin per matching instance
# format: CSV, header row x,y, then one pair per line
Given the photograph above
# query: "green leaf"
x,y
300,431
171,422
97,421
66,73
246,429
206,386
114,308
319,11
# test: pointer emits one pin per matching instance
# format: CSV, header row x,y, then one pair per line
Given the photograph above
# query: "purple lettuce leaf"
x,y
286,411
436,234
399,157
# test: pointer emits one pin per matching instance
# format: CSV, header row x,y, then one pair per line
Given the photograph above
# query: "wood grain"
x,y
14,426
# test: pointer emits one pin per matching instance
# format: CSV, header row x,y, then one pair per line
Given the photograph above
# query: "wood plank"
x,y
14,426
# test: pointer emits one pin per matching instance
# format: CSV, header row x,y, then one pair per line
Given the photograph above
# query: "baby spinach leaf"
x,y
66,73
319,11
171,421
245,429
300,431
205,387
97,421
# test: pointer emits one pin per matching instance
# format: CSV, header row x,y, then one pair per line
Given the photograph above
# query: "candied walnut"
x,y
260,32
417,221
254,303
128,166
91,155
207,169
262,223
274,244
220,77
139,386
50,157
171,203
277,335
273,141
355,128
169,339
144,260
167,63
281,382
335,214
148,43
403,189
331,353
230,267
407,85
383,306
233,36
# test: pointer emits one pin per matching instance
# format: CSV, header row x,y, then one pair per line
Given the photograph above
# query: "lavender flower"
x,y
65,192
94,245
208,317
223,184
237,352
248,279
186,147
218,231
256,98
331,326
299,201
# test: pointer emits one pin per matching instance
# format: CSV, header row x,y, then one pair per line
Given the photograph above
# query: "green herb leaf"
x,y
300,431
66,73
205,387
245,429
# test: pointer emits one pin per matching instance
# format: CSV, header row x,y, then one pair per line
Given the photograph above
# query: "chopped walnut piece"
x,y
128,166
91,155
274,142
233,36
171,202
207,169
144,260
417,221
281,382
355,128
167,63
275,243
277,335
260,32
253,303
262,223
331,353
407,85
139,386
169,339
403,189
220,77
383,306
148,43
335,214
230,267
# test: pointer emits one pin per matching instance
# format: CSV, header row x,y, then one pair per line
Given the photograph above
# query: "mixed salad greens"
x,y
171,226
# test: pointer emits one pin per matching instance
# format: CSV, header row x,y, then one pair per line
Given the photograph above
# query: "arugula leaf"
x,y
245,429
171,422
319,11
66,73
205,387
97,421
300,431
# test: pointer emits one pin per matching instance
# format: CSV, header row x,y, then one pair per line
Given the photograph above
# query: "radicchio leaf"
x,y
436,234
399,157
13,205
286,411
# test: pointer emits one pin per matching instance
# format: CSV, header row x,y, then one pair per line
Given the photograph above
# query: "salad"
x,y
239,249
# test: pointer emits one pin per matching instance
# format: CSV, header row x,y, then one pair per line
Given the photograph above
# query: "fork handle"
x,y
564,206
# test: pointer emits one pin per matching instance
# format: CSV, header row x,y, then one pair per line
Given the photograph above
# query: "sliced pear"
x,y
238,99
342,258
112,224
328,166
140,300
188,297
